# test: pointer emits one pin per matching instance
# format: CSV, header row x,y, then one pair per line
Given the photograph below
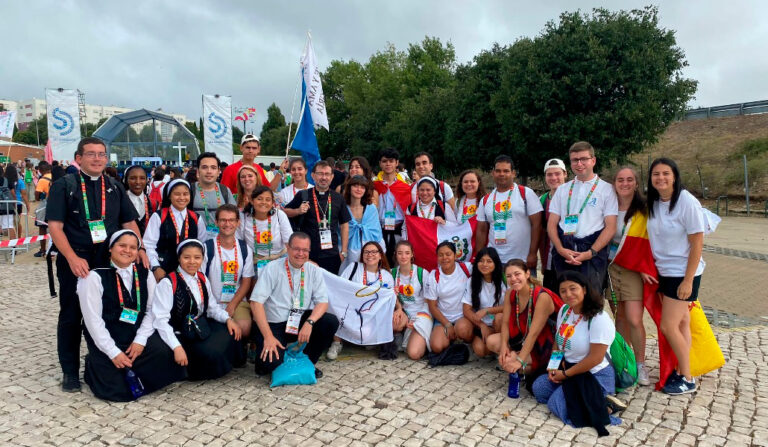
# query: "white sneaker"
x,y
642,376
333,351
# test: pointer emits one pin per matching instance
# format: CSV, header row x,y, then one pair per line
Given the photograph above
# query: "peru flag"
x,y
426,234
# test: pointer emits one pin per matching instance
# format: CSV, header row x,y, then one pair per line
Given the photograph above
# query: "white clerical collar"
x,y
93,178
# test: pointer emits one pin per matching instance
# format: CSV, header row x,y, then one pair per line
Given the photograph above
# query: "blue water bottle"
x,y
514,386
134,383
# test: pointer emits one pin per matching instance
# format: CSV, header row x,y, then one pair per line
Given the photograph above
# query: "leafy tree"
x,y
273,141
275,119
611,78
30,133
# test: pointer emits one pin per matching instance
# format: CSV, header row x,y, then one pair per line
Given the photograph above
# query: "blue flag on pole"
x,y
305,140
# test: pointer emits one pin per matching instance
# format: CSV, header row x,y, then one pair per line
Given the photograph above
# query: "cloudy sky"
x,y
165,54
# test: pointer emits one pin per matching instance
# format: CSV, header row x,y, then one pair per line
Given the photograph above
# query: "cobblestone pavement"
x,y
360,401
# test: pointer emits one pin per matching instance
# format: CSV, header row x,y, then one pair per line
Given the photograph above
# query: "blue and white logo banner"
x,y
63,123
7,120
217,122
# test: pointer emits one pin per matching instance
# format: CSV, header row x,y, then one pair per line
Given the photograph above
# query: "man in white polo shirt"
x,y
509,217
582,219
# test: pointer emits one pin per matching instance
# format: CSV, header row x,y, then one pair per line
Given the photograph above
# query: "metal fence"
x,y
744,108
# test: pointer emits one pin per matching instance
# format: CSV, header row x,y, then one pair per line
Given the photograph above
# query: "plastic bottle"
x,y
134,383
514,386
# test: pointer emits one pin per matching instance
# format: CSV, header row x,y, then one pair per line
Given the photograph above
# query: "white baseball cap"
x,y
249,137
554,163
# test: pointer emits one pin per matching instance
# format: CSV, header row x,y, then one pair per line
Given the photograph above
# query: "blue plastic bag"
x,y
296,368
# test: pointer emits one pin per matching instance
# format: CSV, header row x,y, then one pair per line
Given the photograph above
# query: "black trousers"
x,y
320,340
70,326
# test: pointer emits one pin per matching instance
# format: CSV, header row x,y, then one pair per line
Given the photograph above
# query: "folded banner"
x,y
364,313
217,117
426,234
7,121
63,122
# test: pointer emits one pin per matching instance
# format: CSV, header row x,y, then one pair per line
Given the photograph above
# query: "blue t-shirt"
x,y
19,188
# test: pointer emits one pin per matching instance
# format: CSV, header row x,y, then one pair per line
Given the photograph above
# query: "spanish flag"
x,y
400,189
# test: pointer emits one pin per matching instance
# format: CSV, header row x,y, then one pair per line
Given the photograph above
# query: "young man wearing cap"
x,y
509,217
582,219
554,176
251,148
422,162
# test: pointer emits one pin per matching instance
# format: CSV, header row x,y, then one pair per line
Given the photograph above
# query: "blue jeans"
x,y
550,393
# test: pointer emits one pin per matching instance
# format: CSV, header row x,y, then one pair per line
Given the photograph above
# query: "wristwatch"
x,y
593,251
344,253
310,322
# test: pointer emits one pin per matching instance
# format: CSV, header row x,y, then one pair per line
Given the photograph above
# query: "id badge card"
x,y
571,224
325,239
500,233
555,360
389,220
212,230
292,327
260,264
612,250
129,316
98,231
227,293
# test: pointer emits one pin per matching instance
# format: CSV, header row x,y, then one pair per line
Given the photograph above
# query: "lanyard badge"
x,y
127,315
96,227
294,318
571,222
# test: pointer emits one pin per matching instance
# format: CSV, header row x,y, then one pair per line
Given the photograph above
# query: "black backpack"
x,y
456,354
5,194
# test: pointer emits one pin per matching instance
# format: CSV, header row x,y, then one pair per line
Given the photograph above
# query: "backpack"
x,y
156,193
193,191
419,274
5,194
209,248
455,354
521,188
164,215
461,264
414,211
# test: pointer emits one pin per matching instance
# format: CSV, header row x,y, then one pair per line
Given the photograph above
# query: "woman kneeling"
x,y
483,301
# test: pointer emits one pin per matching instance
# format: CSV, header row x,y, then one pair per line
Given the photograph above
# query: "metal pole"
x,y
701,180
37,131
746,183
154,137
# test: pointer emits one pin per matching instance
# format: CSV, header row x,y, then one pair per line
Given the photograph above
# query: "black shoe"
x,y
614,404
318,374
70,383
39,254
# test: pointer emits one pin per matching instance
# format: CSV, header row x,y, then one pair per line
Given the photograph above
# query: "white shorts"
x,y
6,221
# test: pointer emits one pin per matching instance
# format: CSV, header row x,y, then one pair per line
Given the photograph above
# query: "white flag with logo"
x,y
217,122
315,97
63,122
364,313
7,120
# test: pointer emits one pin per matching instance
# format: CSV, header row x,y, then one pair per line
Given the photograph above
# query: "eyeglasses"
x,y
299,250
95,154
370,252
582,160
323,174
228,220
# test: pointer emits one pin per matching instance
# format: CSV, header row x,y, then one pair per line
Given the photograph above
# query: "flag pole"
x,y
293,105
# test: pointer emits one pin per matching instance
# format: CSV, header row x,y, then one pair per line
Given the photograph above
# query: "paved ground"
x,y
365,401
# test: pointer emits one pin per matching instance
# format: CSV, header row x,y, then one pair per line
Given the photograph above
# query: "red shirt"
x,y
229,176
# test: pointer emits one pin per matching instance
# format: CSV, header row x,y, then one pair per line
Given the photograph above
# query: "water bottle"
x,y
514,386
134,383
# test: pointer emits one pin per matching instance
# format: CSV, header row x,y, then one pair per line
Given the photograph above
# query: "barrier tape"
x,y
23,241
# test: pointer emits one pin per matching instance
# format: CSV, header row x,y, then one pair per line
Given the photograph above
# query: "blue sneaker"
x,y
673,377
680,386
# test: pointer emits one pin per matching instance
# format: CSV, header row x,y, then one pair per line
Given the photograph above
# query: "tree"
x,y
611,78
275,119
29,135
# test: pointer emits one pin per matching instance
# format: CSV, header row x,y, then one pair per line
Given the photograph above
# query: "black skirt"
x,y
213,357
155,367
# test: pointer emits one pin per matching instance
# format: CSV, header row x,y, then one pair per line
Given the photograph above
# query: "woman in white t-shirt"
x,y
469,191
409,280
264,228
584,334
444,289
483,301
676,232
372,271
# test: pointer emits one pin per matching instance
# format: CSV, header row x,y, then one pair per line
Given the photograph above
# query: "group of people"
x,y
172,290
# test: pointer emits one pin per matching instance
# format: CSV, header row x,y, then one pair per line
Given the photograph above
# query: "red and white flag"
x,y
426,234
48,152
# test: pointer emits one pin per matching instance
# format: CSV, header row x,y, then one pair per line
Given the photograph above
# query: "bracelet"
x,y
565,374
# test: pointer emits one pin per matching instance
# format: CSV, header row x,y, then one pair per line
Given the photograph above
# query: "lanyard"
x,y
205,204
221,258
85,199
176,226
567,330
431,208
570,193
502,214
365,277
259,235
301,283
137,287
517,312
326,215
